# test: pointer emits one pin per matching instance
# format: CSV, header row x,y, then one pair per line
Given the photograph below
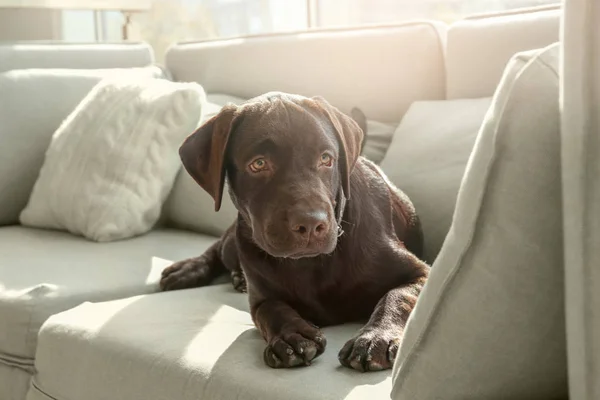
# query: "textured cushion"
x,y
427,159
185,345
74,55
33,104
113,161
44,272
478,48
490,321
380,69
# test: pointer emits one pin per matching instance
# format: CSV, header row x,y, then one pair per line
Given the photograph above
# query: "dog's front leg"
x,y
291,340
376,345
200,271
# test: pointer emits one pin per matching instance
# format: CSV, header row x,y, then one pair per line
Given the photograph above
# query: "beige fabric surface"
x,y
21,55
490,321
478,49
381,70
580,104
43,272
14,382
427,159
378,139
185,345
33,104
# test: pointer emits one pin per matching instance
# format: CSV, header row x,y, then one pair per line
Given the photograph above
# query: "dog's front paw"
x,y
371,350
239,281
193,272
298,347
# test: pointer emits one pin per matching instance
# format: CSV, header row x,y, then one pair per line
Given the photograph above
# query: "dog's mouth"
x,y
277,246
299,255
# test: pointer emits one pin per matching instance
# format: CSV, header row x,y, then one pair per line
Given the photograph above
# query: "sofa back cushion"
x,y
479,47
428,157
33,104
381,70
64,55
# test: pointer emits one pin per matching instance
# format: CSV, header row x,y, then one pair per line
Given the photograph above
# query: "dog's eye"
x,y
326,159
258,165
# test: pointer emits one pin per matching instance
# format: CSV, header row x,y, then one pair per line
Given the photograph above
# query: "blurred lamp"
x,y
125,6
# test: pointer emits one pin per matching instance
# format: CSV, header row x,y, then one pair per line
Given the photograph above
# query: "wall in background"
x,y
29,24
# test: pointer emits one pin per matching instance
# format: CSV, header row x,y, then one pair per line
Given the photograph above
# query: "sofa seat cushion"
x,y
43,272
188,344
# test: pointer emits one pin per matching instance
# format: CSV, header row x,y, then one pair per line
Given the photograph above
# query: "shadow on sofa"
x,y
195,344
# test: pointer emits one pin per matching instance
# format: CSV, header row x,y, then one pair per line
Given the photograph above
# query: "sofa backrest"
x,y
381,69
64,55
479,47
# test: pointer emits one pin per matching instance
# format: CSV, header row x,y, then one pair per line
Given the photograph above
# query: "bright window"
x,y
358,12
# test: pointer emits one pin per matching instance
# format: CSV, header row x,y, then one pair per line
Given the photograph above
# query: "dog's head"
x,y
288,160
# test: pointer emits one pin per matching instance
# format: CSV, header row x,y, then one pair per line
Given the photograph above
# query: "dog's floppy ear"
x,y
350,137
203,152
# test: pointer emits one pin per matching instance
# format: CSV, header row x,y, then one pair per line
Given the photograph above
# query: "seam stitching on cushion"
x,y
13,363
25,365
35,386
342,29
405,368
443,51
519,11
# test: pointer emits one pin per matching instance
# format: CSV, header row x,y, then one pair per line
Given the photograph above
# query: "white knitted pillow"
x,y
113,161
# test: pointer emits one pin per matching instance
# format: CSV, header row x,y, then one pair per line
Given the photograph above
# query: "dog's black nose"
x,y
307,224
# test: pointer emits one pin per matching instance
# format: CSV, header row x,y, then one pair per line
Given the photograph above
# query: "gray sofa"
x,y
81,320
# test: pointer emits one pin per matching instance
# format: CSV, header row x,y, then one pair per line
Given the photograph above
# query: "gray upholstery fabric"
x,y
33,104
22,55
185,345
490,321
427,159
14,381
580,101
43,272
479,47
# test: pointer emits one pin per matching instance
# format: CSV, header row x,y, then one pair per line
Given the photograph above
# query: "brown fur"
x,y
317,244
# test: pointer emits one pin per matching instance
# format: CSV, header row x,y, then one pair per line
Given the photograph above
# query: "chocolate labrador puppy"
x,y
322,237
